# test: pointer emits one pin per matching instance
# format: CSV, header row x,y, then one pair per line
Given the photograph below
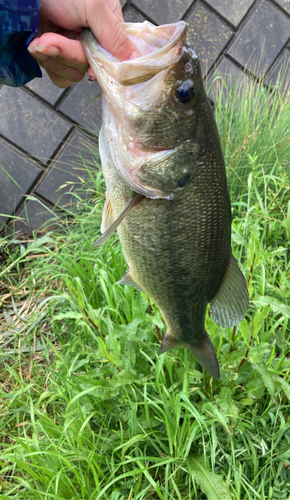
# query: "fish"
x,y
167,193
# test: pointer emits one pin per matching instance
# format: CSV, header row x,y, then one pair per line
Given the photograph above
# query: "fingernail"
x,y
43,52
38,55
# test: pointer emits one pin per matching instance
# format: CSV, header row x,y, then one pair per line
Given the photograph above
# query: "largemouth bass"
x,y
166,185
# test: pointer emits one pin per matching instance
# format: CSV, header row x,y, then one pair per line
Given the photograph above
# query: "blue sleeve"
x,y
19,21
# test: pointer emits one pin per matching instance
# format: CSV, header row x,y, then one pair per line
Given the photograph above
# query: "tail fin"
x,y
203,353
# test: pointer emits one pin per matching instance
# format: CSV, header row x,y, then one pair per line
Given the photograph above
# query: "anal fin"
x,y
110,231
230,304
128,279
168,343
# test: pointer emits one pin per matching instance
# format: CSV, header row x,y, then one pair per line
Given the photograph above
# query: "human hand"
x,y
57,47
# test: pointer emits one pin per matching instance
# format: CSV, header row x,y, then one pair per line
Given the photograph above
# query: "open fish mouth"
x,y
160,47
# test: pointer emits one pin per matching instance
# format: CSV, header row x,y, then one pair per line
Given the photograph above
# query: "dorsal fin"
x,y
230,304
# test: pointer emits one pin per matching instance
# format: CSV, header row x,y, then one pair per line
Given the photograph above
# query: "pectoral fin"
x,y
128,279
230,304
110,231
169,175
203,353
162,174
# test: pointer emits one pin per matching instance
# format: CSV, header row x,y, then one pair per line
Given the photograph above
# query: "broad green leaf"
x,y
114,358
156,320
256,387
219,415
258,319
275,305
127,376
129,358
235,357
285,386
69,314
238,238
266,376
129,330
212,484
226,404
40,241
248,401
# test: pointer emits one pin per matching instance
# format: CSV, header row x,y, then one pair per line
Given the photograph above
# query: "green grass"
x,y
88,408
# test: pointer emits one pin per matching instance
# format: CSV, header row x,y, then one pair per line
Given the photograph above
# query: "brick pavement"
x,y
45,131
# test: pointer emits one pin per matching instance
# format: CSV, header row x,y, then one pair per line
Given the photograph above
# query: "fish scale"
x,y
166,187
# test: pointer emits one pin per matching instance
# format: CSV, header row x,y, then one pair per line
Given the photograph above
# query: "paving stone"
x,y
207,35
133,16
280,74
224,77
22,171
262,38
232,10
34,216
30,124
79,105
163,11
45,88
63,178
285,4
38,130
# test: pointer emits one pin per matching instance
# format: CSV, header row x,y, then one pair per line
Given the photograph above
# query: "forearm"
x,y
19,21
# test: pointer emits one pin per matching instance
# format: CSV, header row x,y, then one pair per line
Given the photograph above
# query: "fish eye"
x,y
185,92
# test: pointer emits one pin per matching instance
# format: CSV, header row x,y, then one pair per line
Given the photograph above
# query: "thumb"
x,y
110,33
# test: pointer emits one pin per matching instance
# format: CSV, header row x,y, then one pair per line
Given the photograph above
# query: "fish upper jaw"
x,y
160,46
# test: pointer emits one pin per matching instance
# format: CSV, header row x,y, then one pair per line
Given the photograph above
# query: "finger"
x,y
116,8
59,81
109,31
66,72
62,49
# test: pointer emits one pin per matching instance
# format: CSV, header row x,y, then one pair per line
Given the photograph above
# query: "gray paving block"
x,y
262,38
207,35
224,77
79,105
133,16
45,88
34,215
30,124
17,174
163,11
64,176
285,4
232,10
280,74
